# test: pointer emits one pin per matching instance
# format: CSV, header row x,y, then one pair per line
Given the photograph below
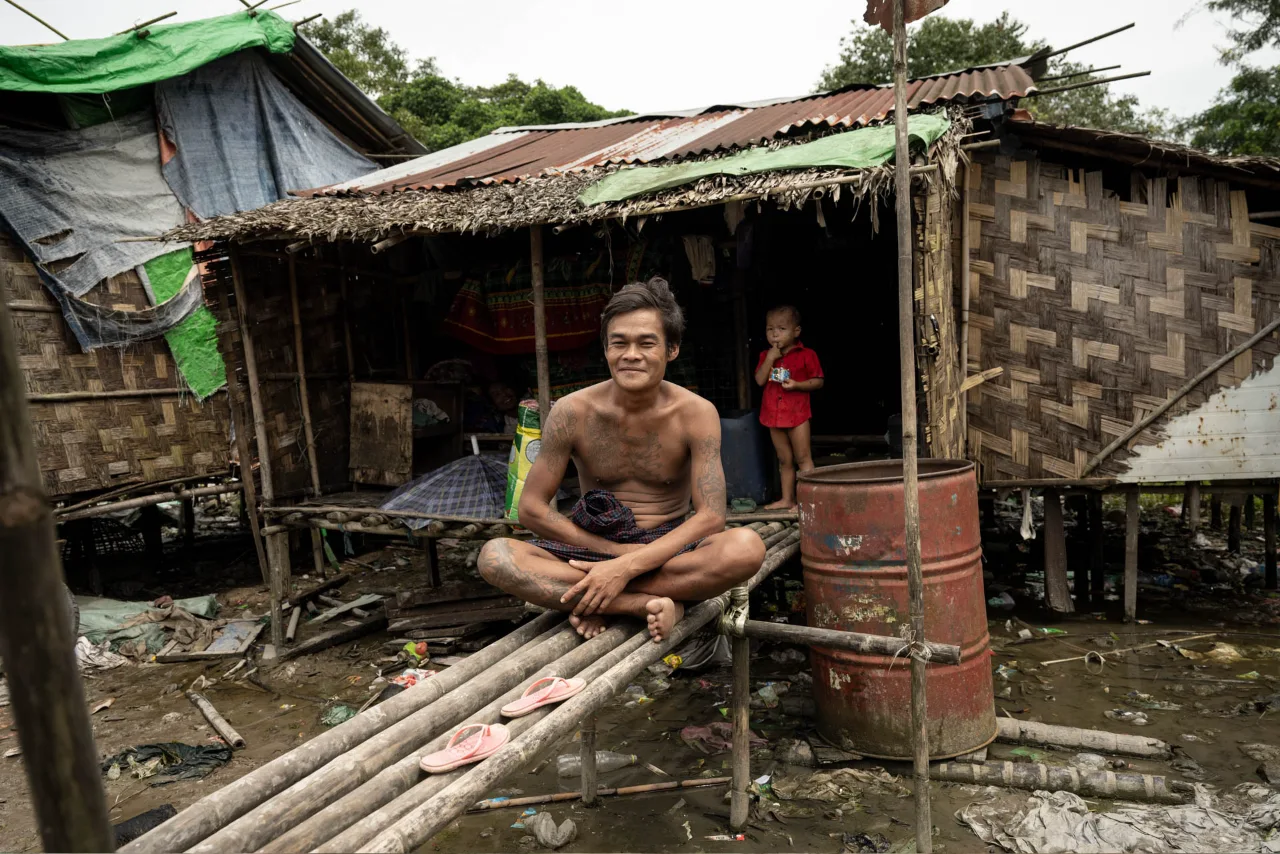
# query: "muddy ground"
x,y
1188,589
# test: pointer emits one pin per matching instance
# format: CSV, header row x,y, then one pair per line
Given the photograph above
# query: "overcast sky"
x,y
684,53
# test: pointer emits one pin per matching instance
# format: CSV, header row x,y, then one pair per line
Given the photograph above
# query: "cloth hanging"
x,y
702,257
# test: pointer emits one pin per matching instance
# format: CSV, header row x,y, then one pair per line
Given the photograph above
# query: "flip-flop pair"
x,y
476,741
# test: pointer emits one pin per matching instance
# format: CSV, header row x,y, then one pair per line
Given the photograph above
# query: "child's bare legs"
x,y
792,447
786,469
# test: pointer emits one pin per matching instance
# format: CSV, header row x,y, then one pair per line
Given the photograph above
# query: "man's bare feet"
x,y
664,613
588,627
781,505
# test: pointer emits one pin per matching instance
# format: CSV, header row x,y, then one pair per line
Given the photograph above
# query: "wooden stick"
x,y
1057,593
346,314
36,641
217,721
739,799
559,797
322,509
262,824
940,653
276,556
1092,655
587,756
1233,530
430,817
540,325
149,500
1193,507
1013,731
292,631
333,638
33,16
1178,395
308,432
62,396
147,23
307,595
235,799
1132,513
910,473
361,815
344,607
966,251
1269,537
1036,776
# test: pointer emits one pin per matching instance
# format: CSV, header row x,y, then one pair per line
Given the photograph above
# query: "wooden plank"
x,y
468,606
333,638
453,633
231,637
306,596
367,599
438,620
381,433
447,593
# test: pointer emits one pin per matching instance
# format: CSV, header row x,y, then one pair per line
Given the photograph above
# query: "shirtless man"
x,y
642,447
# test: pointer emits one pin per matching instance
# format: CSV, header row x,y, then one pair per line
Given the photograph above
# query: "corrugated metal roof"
x,y
511,154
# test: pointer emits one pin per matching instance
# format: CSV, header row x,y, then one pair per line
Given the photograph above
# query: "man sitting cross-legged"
x,y
643,449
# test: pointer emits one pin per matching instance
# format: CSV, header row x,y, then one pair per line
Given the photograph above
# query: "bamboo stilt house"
x,y
121,363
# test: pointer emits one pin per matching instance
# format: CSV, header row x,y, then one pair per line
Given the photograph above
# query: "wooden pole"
x,y
292,631
217,809
308,431
36,641
940,653
561,797
1269,536
966,248
910,474
1131,518
1193,507
1215,511
741,340
33,16
587,755
408,338
739,798
540,324
216,720
1035,776
346,316
1013,731
1233,529
1057,593
276,555
267,821
188,523
1250,513
1097,549
240,424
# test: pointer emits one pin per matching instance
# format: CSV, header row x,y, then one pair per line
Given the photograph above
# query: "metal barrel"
x,y
852,547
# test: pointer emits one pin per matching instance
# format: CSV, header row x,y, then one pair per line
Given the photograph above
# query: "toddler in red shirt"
x,y
788,370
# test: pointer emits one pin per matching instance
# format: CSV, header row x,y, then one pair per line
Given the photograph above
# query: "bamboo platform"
x,y
358,786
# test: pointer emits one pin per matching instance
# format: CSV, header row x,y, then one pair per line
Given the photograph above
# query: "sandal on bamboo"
x,y
481,742
555,689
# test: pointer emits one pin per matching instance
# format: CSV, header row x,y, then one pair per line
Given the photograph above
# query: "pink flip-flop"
x,y
481,744
555,689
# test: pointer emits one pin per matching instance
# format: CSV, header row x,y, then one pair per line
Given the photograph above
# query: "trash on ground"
x,y
841,786
336,714
98,657
795,752
715,737
570,764
412,676
138,629
103,706
170,760
1126,716
131,829
548,834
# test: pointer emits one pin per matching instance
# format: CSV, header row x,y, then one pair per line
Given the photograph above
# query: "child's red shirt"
x,y
786,409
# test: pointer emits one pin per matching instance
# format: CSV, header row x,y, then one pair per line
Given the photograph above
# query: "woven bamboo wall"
x,y
270,312
98,444
1100,306
938,356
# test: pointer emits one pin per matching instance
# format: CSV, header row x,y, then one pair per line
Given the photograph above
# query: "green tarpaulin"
x,y
194,341
125,61
856,149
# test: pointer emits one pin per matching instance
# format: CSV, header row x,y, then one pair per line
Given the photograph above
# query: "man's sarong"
x,y
600,512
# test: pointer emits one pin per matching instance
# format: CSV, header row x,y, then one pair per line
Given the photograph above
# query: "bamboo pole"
x,y
1013,731
1036,777
561,797
33,16
1131,514
540,325
587,757
292,631
400,789
432,816
1178,395
219,808
1193,507
1269,537
346,772
323,509
36,642
346,315
911,492
63,396
216,720
277,551
149,500
966,248
1101,656
236,401
1057,593
939,653
308,431
739,799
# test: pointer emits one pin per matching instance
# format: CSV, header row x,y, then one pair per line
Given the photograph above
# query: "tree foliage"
x,y
436,110
1257,25
937,45
1244,118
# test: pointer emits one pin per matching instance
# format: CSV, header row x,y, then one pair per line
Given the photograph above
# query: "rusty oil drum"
x,y
855,579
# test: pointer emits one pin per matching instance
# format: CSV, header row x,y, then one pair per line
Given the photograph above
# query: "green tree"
x,y
365,54
437,111
1258,25
939,44
1244,118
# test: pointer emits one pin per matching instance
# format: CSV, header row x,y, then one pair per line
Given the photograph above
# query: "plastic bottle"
x,y
570,764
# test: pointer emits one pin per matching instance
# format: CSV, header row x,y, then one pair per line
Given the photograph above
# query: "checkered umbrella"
x,y
475,485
